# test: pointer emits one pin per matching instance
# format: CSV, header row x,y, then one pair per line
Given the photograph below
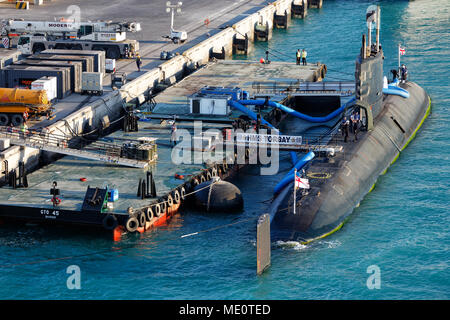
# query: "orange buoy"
x,y
83,179
179,176
261,60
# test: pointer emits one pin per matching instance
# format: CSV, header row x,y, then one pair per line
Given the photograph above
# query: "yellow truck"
x,y
17,103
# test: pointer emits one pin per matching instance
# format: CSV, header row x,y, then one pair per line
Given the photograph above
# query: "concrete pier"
x,y
228,21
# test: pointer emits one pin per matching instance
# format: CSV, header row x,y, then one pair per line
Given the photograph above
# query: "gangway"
x,y
104,152
316,143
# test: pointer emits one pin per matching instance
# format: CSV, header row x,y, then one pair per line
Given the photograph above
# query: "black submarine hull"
x,y
339,184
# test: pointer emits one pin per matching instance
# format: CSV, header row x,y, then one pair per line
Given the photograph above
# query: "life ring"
x,y
182,193
157,210
109,222
163,206
142,219
149,214
179,176
318,175
176,196
132,224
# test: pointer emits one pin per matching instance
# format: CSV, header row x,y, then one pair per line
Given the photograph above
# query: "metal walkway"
x,y
104,152
297,88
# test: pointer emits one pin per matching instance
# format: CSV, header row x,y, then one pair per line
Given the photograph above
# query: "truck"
x,y
36,36
14,103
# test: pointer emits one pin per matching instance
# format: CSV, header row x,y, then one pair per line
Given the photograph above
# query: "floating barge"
x,y
76,190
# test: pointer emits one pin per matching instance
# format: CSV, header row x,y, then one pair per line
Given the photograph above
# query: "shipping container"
x,y
16,76
75,70
99,56
49,84
8,56
92,83
110,65
87,61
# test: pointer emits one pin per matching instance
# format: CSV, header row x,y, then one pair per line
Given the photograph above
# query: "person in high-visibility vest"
x,y
304,54
298,55
23,130
138,62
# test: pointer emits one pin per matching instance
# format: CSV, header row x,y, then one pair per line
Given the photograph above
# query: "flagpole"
x,y
295,188
399,58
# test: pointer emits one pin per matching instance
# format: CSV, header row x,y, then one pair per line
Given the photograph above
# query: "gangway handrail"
x,y
48,142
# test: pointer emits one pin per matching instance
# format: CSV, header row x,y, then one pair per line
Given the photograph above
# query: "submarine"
x,y
338,181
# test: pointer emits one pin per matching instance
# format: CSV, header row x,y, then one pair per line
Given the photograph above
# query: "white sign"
x,y
268,138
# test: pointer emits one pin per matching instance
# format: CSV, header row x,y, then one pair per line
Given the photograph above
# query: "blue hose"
x,y
254,116
290,176
250,113
391,89
296,113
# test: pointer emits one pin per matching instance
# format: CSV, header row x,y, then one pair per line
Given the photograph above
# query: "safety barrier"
x,y
24,5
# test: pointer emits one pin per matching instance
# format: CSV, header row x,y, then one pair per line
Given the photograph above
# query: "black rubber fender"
x,y
202,179
182,193
142,219
194,183
163,206
149,214
169,200
208,175
132,224
109,222
176,196
157,210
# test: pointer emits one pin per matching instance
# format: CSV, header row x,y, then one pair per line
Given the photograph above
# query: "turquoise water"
x,y
402,226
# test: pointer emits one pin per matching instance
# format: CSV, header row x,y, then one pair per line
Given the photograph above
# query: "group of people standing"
x,y
352,124
301,55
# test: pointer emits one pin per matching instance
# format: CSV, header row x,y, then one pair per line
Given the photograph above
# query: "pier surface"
x,y
68,170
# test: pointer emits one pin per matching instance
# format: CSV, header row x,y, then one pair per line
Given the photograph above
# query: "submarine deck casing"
x,y
351,174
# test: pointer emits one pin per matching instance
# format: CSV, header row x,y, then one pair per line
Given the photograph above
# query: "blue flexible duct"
x,y
254,116
290,176
296,113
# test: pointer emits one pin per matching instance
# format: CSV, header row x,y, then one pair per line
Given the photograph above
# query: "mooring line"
x,y
130,246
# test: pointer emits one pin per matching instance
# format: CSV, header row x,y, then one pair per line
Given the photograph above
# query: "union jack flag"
x,y
402,51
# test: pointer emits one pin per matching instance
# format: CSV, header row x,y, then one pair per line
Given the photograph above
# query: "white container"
x,y
4,144
110,65
49,84
209,105
92,81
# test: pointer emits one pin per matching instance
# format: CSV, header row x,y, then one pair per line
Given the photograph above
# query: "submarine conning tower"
x,y
369,70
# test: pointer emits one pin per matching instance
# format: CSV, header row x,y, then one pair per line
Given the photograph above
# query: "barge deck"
x,y
87,187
